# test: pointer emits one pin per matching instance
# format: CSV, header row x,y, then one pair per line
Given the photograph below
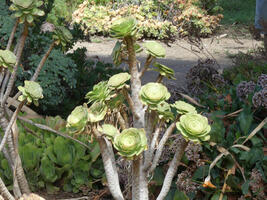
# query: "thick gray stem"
x,y
172,170
4,191
110,169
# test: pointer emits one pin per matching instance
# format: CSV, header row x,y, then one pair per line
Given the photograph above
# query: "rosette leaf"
x,y
7,59
194,127
155,49
31,91
118,81
77,120
62,35
123,27
116,54
109,131
183,107
26,10
130,142
164,70
100,93
153,94
97,112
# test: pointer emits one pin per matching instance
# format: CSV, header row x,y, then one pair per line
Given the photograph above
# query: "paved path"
x,y
179,55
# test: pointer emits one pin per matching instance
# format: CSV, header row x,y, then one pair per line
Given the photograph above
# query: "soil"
x,y
180,55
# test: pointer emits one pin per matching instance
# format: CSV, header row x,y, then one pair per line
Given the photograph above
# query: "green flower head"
x,y
183,107
194,127
153,94
7,59
164,111
62,36
100,93
155,49
26,10
109,131
117,81
164,70
77,120
97,112
123,27
130,142
31,91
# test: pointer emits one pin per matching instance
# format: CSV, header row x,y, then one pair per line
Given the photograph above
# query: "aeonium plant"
x,y
128,119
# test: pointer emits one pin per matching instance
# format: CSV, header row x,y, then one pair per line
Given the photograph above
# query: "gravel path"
x,y
179,55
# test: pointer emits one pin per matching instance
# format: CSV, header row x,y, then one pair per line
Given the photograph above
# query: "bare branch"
x,y
121,121
146,66
4,191
172,170
130,102
161,146
11,37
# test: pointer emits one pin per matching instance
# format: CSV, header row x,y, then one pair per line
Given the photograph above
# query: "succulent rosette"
x,y
164,70
7,59
100,93
77,120
164,111
153,94
155,49
31,91
26,10
118,81
109,131
130,142
123,27
183,107
194,127
97,112
62,35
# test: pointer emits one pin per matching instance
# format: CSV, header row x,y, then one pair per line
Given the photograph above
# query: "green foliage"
x,y
55,163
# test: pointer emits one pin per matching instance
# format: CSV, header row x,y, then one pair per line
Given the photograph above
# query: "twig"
x,y
163,140
121,121
47,128
11,37
146,65
130,102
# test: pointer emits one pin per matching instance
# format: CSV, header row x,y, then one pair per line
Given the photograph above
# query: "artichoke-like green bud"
x,y
109,131
77,120
26,10
123,27
164,70
100,93
164,111
116,54
97,112
131,142
153,94
7,59
31,91
155,49
117,81
183,107
194,127
62,36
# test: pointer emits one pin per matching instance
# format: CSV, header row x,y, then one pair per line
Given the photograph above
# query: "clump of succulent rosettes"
x,y
77,120
244,88
130,142
26,10
155,49
153,94
123,27
118,81
194,127
31,91
7,59
183,107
